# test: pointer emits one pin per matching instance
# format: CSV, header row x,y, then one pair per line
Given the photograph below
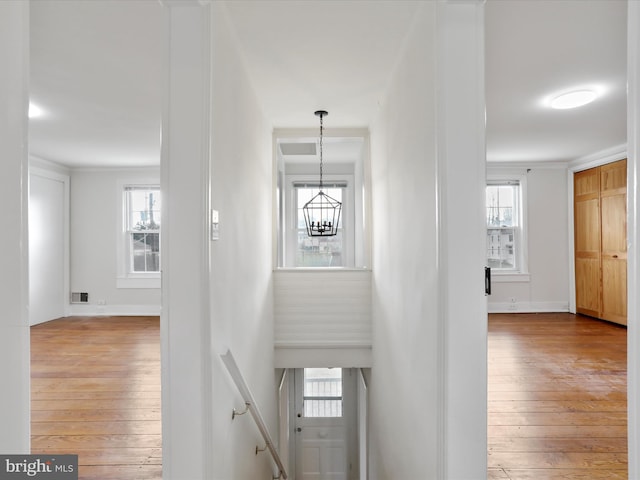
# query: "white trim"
x,y
299,357
497,277
633,236
48,165
595,159
139,282
304,134
14,276
607,155
322,269
65,179
124,278
348,225
496,165
151,170
326,344
185,321
527,307
91,310
523,234
571,248
461,230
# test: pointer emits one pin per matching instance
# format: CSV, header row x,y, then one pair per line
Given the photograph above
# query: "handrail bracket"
x,y
237,413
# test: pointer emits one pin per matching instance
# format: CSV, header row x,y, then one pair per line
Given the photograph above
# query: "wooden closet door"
x,y
613,208
587,241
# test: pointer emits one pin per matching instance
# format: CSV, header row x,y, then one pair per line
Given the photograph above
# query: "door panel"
x,y
586,182
614,295
600,200
588,286
324,455
614,224
322,442
587,241
587,214
613,176
613,193
47,248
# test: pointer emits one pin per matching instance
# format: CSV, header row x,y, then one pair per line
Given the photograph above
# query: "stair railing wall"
x,y
252,407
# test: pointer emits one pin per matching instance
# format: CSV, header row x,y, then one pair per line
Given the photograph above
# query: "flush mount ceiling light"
x,y
34,110
322,212
573,99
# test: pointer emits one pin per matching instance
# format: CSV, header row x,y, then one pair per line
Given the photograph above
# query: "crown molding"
x,y
607,155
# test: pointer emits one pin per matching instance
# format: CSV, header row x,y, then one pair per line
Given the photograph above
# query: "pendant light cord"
x,y
321,128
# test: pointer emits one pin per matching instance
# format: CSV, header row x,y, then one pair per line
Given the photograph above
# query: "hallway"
x,y
557,397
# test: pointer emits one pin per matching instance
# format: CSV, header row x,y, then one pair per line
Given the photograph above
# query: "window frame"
x,y
520,273
126,278
347,220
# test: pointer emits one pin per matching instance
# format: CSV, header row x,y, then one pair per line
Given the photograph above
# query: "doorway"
x,y
324,421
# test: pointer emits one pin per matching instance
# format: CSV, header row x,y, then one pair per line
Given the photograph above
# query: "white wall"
x,y
184,320
96,200
403,388
633,179
547,240
322,309
461,192
241,260
428,380
14,279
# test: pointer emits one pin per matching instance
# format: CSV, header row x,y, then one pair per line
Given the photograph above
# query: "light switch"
x,y
215,225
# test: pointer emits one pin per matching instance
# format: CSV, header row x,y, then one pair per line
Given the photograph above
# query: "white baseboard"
x,y
90,310
527,307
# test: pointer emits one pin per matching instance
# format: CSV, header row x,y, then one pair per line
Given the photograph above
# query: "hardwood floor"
x,y
95,392
557,398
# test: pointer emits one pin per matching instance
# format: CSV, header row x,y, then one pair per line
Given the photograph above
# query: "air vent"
x,y
298,148
79,297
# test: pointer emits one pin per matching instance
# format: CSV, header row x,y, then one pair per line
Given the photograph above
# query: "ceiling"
x,y
96,69
537,48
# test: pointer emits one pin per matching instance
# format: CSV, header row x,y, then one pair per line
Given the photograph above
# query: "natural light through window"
x,y
322,392
317,251
503,222
143,228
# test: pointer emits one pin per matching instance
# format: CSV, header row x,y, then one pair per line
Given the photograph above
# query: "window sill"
x,y
505,277
138,282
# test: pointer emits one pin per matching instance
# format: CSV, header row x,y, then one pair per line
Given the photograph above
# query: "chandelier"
x,y
322,212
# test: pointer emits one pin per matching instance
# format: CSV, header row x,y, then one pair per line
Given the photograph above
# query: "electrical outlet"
x,y
102,302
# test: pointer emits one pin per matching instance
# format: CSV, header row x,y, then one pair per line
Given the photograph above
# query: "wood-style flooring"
x,y
95,392
557,398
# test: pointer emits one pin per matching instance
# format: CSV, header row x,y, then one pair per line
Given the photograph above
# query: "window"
x,y
297,181
318,251
143,228
322,396
302,251
139,252
504,226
